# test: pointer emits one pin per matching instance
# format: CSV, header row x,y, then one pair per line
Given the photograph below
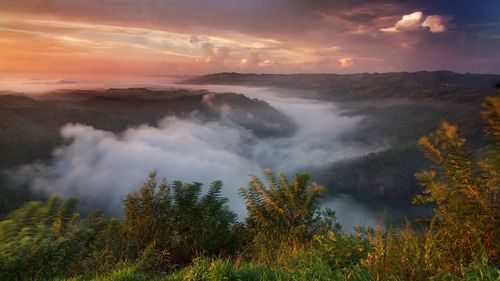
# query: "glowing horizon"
x,y
141,38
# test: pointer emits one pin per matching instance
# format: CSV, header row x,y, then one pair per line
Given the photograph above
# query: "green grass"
x,y
217,270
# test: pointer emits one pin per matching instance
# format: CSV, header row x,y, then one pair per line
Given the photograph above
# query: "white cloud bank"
x,y
100,167
416,21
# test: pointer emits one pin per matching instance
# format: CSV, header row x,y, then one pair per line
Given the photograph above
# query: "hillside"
x,y
398,108
30,126
439,85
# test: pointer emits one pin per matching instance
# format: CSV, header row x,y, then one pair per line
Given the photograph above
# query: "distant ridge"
x,y
416,85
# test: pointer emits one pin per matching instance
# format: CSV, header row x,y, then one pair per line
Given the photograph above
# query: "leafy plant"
x,y
175,223
286,213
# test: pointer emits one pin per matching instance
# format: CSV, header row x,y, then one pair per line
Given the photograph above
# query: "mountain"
x,y
397,109
29,126
439,85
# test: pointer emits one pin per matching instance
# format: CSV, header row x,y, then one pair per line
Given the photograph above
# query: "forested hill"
x,y
442,85
398,108
30,127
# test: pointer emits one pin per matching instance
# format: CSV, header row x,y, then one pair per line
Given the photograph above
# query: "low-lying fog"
x,y
100,167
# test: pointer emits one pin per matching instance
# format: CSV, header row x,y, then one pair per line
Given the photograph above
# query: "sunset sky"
x,y
63,38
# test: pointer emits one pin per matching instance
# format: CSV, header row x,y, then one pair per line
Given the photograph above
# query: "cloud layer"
x,y
416,21
100,167
193,37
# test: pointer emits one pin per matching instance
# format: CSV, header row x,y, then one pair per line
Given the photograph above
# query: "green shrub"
x,y
177,223
284,215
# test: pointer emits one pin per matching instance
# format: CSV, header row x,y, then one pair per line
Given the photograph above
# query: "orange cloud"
x,y
436,23
346,62
416,21
48,46
215,54
196,37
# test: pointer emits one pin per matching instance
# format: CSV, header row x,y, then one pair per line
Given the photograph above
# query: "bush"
x,y
285,215
169,224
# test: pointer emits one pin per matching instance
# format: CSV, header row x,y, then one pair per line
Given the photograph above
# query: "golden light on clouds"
x,y
60,46
417,20
194,37
346,63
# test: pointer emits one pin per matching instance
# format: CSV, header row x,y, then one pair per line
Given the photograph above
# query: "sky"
x,y
68,38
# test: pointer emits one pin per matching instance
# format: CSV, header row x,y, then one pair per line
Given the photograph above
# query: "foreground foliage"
x,y
169,224
284,215
170,231
464,190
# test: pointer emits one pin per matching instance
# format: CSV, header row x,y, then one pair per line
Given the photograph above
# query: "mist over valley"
x,y
256,140
98,145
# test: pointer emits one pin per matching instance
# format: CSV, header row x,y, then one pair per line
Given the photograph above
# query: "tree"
x,y
44,240
147,215
285,213
464,188
174,221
